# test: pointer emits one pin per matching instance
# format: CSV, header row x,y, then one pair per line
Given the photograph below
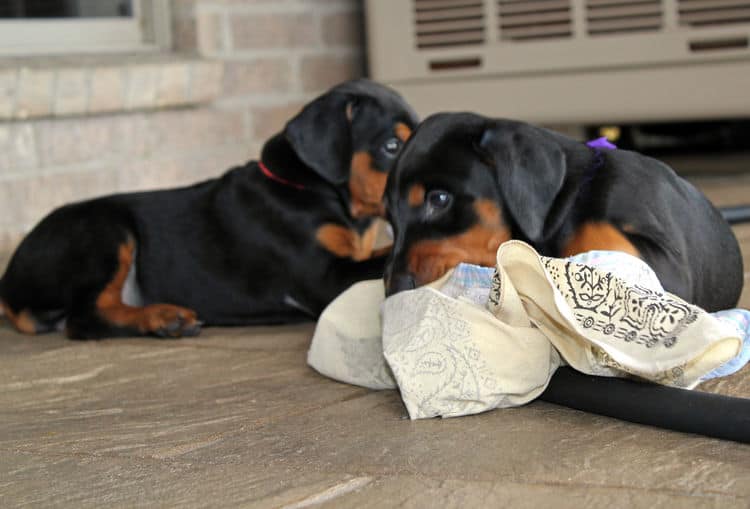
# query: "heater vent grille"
x,y
605,17
523,20
706,13
447,23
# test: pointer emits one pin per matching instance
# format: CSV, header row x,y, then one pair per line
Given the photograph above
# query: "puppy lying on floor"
x,y
465,183
272,241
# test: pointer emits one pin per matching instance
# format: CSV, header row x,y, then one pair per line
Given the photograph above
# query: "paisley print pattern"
x,y
605,304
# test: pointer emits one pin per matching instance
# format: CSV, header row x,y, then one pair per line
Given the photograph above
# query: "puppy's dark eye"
x,y
392,146
437,201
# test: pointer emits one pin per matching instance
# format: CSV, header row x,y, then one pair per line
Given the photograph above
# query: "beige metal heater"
x,y
569,61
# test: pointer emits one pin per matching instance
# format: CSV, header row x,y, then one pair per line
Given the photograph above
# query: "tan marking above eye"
x,y
366,185
344,242
416,195
403,132
629,228
429,259
593,236
488,212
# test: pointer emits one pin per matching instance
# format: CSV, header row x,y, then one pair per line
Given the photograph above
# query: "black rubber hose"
x,y
701,413
734,215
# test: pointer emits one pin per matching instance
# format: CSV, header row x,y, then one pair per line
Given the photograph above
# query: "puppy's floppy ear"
x,y
321,136
530,169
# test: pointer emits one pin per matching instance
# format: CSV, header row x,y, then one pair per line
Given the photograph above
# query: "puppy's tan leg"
x,y
112,317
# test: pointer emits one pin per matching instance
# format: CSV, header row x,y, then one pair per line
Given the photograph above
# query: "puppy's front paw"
x,y
168,321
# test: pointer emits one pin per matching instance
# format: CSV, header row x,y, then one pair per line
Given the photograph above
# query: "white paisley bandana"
x,y
479,339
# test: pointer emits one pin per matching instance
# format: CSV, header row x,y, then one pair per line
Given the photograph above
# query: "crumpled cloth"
x,y
479,338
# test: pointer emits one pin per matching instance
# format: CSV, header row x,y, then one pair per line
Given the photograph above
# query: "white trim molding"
x,y
147,30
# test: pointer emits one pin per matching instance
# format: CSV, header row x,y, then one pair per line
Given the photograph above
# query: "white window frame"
x,y
147,30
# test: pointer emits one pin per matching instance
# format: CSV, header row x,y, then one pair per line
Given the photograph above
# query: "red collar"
x,y
268,173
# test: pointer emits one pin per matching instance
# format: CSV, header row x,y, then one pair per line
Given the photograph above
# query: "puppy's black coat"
x,y
272,241
465,183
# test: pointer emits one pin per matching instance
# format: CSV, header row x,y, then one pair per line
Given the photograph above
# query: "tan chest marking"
x,y
344,242
598,236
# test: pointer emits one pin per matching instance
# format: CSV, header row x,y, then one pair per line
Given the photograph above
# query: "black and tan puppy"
x,y
272,241
465,183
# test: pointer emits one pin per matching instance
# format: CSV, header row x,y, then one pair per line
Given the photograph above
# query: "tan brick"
x,y
52,191
9,240
206,81
188,129
172,84
318,73
71,91
24,202
107,90
272,30
344,29
153,174
184,8
14,197
268,121
184,36
141,87
74,140
181,169
35,93
135,135
258,76
17,147
210,32
8,91
132,135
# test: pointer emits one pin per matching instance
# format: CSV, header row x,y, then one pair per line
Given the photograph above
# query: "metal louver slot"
x,y
617,16
701,13
521,20
445,23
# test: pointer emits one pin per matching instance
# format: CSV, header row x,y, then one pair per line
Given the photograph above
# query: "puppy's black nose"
x,y
400,282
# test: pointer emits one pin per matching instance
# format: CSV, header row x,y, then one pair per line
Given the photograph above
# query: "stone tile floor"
x,y
236,418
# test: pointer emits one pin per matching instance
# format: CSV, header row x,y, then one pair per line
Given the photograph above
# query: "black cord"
x,y
735,215
696,412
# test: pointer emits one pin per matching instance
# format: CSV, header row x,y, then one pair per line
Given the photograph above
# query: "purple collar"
x,y
596,146
602,142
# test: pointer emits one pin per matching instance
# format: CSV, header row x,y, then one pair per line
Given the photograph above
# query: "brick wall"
x,y
276,55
